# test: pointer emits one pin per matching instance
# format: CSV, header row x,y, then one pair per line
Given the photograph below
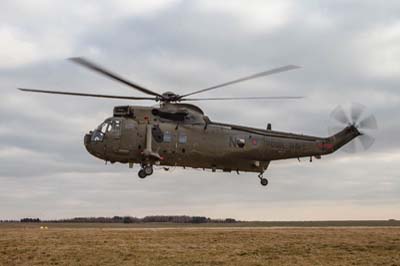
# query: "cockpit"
x,y
110,126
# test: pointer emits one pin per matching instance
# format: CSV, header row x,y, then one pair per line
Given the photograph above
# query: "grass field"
x,y
118,245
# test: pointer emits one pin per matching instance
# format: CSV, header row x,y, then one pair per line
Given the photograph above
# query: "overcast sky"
x,y
349,52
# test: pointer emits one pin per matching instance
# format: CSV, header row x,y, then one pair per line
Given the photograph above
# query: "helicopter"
x,y
177,133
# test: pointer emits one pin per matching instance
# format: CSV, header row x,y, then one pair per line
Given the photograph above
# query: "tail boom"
x,y
296,146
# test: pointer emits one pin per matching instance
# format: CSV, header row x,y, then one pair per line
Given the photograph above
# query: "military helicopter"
x,y
179,134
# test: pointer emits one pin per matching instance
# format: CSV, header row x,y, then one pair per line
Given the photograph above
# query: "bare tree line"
x,y
131,219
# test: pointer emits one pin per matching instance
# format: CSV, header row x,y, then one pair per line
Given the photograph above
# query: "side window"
x,y
182,138
117,125
240,142
167,136
109,128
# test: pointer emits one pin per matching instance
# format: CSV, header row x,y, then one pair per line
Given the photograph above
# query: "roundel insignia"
x,y
254,141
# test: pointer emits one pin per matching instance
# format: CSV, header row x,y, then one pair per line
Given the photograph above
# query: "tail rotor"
x,y
356,115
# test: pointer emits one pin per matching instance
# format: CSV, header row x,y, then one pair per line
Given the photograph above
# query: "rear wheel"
x,y
264,181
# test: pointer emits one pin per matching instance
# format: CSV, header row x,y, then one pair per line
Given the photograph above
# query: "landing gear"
x,y
141,173
148,169
145,171
263,180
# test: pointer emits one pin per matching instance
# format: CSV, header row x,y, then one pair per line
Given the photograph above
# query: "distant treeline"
x,y
30,220
184,219
130,219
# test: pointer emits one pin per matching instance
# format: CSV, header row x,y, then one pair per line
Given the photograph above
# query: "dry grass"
x,y
199,246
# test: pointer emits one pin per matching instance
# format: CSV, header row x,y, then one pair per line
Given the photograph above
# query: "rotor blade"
x,y
244,98
366,141
101,70
339,115
89,95
356,112
262,74
368,123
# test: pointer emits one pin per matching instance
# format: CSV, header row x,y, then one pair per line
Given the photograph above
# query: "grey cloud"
x,y
181,48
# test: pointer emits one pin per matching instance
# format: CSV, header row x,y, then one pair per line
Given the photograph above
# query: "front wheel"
x,y
142,174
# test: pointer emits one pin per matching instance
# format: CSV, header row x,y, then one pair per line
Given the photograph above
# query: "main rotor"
x,y
167,97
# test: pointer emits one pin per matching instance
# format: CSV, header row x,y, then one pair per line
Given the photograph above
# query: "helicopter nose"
x,y
95,148
87,140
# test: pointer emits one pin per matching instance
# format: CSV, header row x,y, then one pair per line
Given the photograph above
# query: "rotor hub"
x,y
169,96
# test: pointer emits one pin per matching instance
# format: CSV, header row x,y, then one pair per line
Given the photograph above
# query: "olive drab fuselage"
x,y
181,135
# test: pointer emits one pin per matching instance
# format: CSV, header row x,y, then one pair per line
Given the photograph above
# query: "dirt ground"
x,y
199,246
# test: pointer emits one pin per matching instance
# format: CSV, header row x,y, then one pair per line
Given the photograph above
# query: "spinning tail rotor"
x,y
358,116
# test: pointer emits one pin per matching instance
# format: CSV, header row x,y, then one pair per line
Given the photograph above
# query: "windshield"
x,y
110,126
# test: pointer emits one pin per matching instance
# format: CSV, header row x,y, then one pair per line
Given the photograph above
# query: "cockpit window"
x,y
97,136
109,126
103,127
114,126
